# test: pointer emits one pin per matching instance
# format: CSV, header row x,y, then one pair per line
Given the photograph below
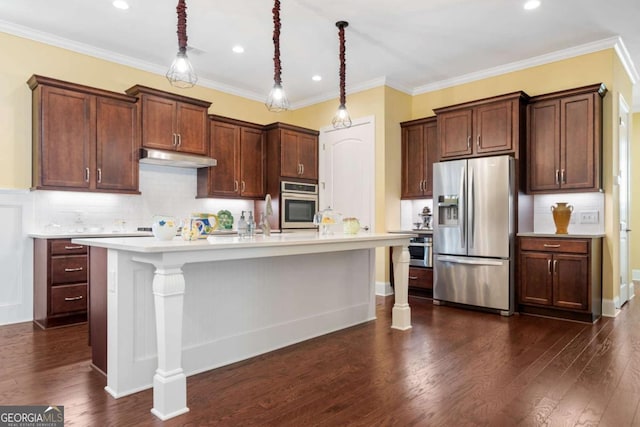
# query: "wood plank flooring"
x,y
454,368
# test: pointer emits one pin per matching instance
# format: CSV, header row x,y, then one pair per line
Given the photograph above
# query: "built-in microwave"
x,y
298,204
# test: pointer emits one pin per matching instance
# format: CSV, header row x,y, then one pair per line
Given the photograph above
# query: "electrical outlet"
x,y
589,217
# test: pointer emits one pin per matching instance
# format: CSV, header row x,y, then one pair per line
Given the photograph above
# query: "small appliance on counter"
x,y
426,219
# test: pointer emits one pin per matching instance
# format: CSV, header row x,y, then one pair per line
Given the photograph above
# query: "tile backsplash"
x,y
409,210
165,191
587,216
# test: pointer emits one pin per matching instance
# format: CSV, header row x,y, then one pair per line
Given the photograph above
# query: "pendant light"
x,y
277,100
341,118
181,72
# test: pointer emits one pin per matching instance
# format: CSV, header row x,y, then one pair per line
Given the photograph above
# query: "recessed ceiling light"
x,y
316,78
120,4
532,4
238,49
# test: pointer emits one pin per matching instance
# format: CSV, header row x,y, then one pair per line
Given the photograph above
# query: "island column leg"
x,y
169,381
401,313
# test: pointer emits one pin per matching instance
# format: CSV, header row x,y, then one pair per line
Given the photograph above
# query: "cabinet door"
x,y
536,279
225,141
571,281
252,161
413,161
289,164
430,149
308,156
66,138
421,278
494,127
158,122
454,129
578,157
116,145
543,146
192,129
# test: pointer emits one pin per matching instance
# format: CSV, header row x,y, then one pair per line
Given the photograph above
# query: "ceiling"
x,y
411,45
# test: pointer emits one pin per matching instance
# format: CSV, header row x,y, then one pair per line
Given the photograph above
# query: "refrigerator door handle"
x,y
471,209
462,208
456,260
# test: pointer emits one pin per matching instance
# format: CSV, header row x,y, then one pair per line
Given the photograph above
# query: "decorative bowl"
x,y
164,227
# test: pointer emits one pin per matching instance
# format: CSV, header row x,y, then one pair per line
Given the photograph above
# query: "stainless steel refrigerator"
x,y
473,232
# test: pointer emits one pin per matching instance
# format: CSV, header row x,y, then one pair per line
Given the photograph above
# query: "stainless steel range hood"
x,y
172,158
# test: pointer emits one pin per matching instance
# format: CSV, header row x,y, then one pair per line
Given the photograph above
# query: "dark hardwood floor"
x,y
454,368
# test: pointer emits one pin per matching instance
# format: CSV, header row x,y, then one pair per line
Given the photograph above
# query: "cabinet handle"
x,y
87,173
555,266
69,248
546,245
71,270
557,176
235,186
563,178
99,175
79,297
302,168
179,140
413,277
469,142
549,265
420,186
243,187
175,140
478,142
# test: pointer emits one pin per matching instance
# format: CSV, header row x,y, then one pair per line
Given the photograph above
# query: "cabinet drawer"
x,y
554,245
421,277
68,298
65,247
69,269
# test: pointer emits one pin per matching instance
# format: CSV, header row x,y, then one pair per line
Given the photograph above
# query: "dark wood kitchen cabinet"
x,y
561,277
172,122
419,152
484,127
564,142
239,148
59,282
84,139
292,152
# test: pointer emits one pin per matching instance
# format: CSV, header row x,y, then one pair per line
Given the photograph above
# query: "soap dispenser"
x,y
242,225
251,225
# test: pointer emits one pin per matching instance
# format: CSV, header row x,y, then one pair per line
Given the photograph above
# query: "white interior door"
x,y
346,170
623,181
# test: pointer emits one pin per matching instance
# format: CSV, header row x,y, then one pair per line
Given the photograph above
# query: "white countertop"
x,y
422,231
153,245
562,236
82,235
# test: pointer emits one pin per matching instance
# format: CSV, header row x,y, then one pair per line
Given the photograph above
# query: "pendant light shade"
x,y
277,100
181,72
342,118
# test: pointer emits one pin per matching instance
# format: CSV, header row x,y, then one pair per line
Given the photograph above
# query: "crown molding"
x,y
627,62
559,55
351,89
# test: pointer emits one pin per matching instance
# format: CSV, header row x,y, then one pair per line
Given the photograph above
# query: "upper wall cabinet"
x,y
239,148
292,152
84,139
564,143
484,127
172,122
419,152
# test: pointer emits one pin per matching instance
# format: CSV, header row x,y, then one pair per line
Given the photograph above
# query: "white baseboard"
x,y
632,290
635,275
609,307
384,289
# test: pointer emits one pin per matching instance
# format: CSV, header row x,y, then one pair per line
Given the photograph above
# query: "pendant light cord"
x,y
181,9
276,43
343,65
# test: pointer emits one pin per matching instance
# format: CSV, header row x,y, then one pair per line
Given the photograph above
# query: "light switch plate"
x,y
589,217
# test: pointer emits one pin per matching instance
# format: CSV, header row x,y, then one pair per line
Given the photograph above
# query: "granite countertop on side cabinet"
x,y
562,236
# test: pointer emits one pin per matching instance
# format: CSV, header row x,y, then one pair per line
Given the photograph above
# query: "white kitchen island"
x,y
177,308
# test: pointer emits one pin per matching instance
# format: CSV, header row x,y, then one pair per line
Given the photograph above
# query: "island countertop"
x,y
291,240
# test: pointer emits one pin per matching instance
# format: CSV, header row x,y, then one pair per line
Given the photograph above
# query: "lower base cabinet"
x,y
561,277
60,290
421,281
